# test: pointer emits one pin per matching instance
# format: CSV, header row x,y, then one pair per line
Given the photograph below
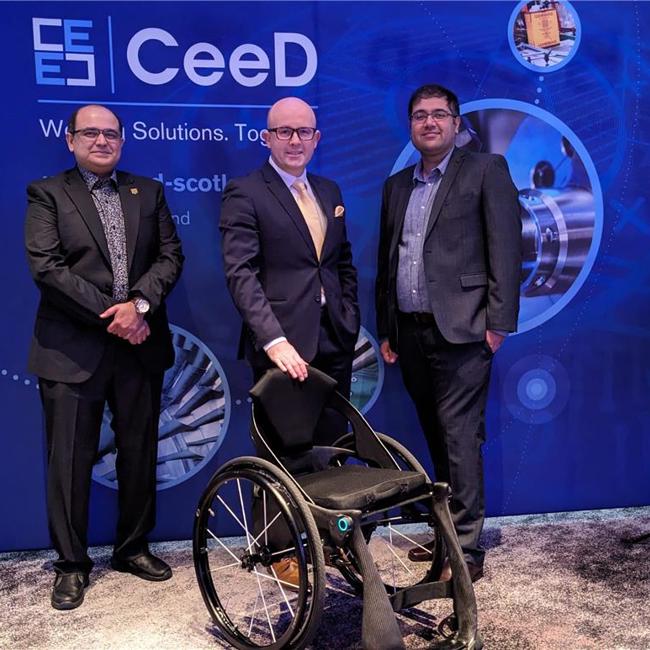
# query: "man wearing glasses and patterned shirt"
x,y
103,251
447,294
288,265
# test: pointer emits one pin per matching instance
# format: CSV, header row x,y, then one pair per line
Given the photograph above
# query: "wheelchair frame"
x,y
343,533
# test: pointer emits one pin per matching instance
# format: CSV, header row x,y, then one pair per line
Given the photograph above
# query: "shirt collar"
x,y
91,179
288,179
441,167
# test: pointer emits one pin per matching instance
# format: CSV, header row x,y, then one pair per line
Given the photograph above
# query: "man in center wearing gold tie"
x,y
287,258
288,262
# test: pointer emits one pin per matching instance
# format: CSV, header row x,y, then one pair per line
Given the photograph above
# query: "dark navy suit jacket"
x,y
272,270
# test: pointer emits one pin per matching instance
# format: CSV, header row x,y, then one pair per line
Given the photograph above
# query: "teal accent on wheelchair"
x,y
344,523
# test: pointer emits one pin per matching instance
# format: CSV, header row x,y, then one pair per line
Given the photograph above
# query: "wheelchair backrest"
x,y
291,408
285,414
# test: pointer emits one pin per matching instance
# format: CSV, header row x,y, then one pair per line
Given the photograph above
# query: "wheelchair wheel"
x,y
393,533
249,604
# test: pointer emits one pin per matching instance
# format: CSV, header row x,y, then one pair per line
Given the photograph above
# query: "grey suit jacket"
x,y
70,263
471,251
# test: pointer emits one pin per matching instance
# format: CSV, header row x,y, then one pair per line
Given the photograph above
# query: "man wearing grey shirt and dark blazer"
x,y
447,294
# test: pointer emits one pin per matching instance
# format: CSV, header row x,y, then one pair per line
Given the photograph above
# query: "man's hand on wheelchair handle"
x,y
285,357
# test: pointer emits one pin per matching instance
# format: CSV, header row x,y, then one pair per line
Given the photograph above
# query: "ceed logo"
x,y
63,55
204,64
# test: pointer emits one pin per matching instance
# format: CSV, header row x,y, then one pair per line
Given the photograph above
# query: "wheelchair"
x,y
354,506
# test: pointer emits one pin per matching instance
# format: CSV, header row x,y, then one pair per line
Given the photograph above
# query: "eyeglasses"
x,y
420,117
111,135
286,132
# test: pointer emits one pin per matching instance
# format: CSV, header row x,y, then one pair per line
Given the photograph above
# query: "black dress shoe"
x,y
422,553
475,571
68,591
145,566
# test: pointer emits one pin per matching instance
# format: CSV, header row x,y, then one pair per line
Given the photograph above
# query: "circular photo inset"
x,y
367,372
194,414
544,34
559,192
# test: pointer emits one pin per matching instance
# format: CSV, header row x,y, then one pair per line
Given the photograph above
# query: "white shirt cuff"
x,y
273,342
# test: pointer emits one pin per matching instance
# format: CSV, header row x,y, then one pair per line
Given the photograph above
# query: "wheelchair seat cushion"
x,y
358,487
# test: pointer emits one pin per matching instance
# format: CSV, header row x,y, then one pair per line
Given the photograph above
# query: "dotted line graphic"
x,y
598,272
26,381
459,52
528,434
539,90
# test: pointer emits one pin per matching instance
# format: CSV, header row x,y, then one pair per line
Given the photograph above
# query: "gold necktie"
x,y
311,214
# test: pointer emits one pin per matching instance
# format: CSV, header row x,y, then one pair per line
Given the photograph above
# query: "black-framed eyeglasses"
x,y
286,132
111,135
420,117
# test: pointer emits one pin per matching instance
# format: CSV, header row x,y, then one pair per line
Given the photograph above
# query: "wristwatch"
x,y
141,305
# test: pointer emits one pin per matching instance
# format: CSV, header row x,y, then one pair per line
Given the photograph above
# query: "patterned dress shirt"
x,y
107,201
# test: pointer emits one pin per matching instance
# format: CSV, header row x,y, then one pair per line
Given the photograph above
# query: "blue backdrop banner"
x,y
568,417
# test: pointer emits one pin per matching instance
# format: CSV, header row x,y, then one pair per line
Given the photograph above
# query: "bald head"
x,y
291,155
290,108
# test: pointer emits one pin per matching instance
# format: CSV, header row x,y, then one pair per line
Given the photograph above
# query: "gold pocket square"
x,y
339,211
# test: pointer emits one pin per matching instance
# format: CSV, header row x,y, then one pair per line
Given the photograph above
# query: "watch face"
x,y
141,305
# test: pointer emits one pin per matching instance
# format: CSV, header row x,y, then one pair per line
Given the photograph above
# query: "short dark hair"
x,y
72,121
434,90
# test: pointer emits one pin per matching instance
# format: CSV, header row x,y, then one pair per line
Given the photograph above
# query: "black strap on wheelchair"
x,y
379,628
366,442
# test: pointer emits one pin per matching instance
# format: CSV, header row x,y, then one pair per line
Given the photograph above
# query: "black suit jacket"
x,y
69,260
471,251
272,270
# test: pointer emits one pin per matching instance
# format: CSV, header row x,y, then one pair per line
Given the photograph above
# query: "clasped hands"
x,y
127,323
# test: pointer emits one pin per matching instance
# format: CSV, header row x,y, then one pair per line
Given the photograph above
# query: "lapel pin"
x,y
339,210
134,190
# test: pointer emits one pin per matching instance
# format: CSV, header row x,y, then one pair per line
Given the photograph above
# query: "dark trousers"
x,y
332,359
73,417
337,363
448,384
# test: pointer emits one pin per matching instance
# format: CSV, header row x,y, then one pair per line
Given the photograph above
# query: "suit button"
x,y
317,299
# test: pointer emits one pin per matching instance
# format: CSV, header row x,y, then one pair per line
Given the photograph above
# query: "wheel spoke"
x,y
257,600
392,563
397,557
279,583
266,609
223,545
410,540
229,509
243,511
